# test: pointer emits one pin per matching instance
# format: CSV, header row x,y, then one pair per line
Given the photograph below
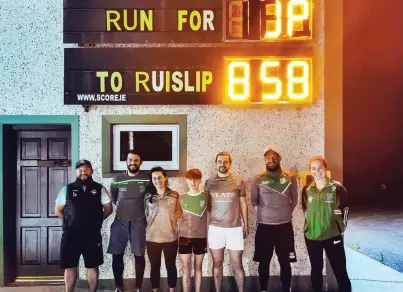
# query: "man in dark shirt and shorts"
x,y
83,205
193,229
228,204
128,190
275,196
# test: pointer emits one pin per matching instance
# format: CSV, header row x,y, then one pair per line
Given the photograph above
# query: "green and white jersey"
x,y
326,211
193,223
128,195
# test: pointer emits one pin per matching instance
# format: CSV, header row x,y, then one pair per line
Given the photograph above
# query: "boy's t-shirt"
x,y
193,223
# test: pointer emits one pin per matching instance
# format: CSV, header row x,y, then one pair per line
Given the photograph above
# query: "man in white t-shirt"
x,y
82,205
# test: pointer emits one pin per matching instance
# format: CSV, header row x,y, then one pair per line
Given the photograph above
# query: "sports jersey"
x,y
275,195
326,211
193,223
224,194
162,214
128,194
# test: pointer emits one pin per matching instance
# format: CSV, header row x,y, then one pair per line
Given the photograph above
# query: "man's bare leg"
x,y
218,260
236,263
92,278
70,278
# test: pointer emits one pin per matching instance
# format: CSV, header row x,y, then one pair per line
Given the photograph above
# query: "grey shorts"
x,y
125,230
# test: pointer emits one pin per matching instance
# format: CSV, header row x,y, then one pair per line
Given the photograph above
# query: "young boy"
x,y
193,229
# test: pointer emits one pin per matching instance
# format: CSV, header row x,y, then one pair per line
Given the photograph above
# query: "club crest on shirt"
x,y
283,180
329,198
93,191
171,202
310,199
74,193
142,188
202,204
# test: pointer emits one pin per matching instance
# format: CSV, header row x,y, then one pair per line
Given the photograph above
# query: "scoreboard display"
x,y
280,80
189,52
268,20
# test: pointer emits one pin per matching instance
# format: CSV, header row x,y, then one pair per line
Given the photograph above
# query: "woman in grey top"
x,y
162,212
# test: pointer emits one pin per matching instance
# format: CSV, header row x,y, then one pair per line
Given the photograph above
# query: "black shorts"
x,y
196,245
124,230
73,246
279,237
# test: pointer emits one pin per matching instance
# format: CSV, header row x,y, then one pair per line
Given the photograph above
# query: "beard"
x,y
133,168
84,180
222,169
273,168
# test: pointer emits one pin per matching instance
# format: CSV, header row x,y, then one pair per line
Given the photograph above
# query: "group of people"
x,y
156,219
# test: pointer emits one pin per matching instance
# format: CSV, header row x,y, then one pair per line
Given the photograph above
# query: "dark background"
x,y
373,106
153,145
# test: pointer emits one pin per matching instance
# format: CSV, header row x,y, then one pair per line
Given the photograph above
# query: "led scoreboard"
x,y
265,55
280,80
268,20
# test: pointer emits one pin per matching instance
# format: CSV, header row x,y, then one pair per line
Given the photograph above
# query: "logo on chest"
x,y
267,182
171,202
223,197
75,193
329,198
310,199
93,192
282,181
202,204
142,188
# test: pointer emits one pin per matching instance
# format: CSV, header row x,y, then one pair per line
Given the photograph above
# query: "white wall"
x,y
31,83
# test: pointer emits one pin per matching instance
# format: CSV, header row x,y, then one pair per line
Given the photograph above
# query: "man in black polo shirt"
x,y
83,205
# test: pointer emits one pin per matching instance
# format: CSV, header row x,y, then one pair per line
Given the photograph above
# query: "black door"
x,y
43,168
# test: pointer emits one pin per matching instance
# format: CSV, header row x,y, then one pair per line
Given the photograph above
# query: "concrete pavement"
x,y
378,234
366,274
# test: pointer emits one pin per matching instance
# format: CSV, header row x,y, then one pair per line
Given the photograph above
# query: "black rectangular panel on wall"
x,y
142,21
172,75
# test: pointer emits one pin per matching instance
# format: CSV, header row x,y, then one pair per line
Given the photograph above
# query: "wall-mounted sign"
x,y
142,21
184,21
245,75
268,20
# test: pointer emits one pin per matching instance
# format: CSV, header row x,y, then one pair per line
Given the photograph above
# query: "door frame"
x,y
72,120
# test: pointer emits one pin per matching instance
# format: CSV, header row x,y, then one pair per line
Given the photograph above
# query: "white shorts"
x,y
220,237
